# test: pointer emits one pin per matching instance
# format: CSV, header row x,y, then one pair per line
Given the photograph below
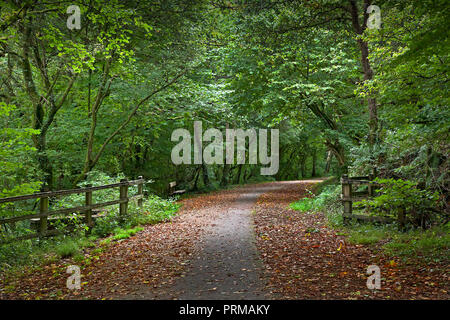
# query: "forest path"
x,y
241,243
200,254
227,264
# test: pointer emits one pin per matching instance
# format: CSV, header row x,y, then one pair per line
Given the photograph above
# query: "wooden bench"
x,y
172,191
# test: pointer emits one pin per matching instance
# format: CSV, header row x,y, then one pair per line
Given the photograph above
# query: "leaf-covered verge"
x,y
310,255
416,245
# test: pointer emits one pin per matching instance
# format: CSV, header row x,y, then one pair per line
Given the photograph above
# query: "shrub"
x,y
308,204
126,233
327,201
303,205
403,200
154,210
68,248
104,226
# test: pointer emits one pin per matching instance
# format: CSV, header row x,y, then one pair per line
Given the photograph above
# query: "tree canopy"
x,y
106,97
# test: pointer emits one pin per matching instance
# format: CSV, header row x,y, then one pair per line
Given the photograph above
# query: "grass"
x,y
427,245
431,245
317,198
366,234
120,234
304,205
67,249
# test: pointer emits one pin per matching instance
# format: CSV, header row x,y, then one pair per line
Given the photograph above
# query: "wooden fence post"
x,y
374,172
43,209
347,201
140,192
370,188
88,197
123,196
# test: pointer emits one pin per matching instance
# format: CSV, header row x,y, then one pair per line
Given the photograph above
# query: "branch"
x,y
55,107
15,17
131,115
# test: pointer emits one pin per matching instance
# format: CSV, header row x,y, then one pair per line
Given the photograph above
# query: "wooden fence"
x,y
350,195
87,209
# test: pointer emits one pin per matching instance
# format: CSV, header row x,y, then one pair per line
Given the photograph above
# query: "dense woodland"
x,y
100,102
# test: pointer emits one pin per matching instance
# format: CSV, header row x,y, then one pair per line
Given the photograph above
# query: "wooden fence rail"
x,y
44,211
348,196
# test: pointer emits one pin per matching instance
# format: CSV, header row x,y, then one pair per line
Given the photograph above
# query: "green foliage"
x,y
403,197
67,249
432,245
322,200
95,178
104,226
326,200
33,253
120,234
16,166
154,210
305,205
63,95
366,234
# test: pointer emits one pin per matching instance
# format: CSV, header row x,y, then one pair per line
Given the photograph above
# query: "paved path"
x,y
227,265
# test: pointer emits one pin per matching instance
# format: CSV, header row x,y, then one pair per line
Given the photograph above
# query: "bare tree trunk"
x,y
238,178
205,176
314,160
367,69
197,174
328,164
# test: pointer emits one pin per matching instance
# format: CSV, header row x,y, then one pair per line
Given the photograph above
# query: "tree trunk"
x,y
303,167
225,174
197,174
328,163
338,151
238,178
39,140
368,72
314,160
250,174
205,176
